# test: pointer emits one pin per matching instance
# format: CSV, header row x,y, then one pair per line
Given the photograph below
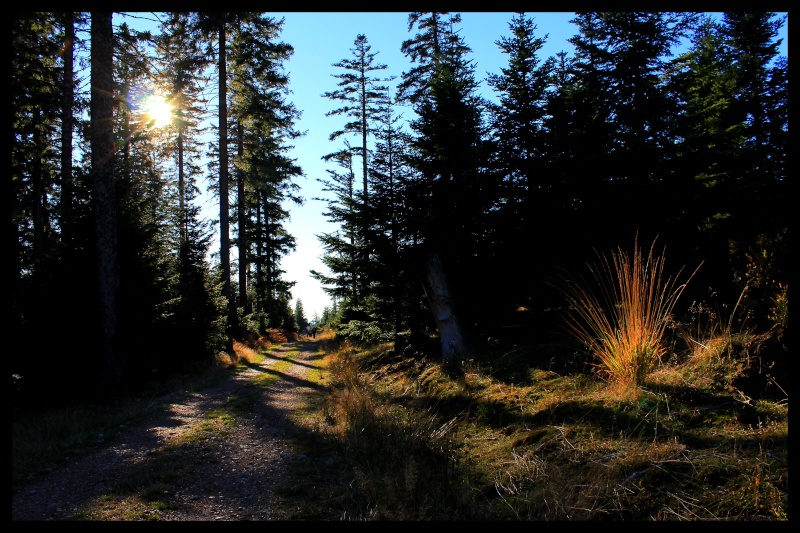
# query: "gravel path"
x,y
250,470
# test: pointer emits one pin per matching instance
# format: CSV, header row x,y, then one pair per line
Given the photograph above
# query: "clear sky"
x,y
321,39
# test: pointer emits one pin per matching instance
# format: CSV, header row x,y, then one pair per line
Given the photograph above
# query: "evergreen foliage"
x,y
581,151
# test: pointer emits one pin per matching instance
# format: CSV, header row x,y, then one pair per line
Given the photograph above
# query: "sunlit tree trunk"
x,y
441,302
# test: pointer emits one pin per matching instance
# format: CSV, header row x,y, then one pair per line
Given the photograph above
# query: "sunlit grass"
x,y
517,436
555,444
622,314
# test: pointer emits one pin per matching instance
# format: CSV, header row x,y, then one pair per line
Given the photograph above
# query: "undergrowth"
x,y
529,434
426,441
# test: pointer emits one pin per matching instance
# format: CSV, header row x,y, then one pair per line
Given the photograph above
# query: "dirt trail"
x,y
245,474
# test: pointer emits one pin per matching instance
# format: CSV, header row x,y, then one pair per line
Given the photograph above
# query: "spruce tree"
x,y
265,176
453,192
360,94
529,201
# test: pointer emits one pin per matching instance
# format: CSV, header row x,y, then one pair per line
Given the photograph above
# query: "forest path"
x,y
229,452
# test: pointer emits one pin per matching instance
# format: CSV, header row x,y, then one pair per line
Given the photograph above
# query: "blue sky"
x,y
321,39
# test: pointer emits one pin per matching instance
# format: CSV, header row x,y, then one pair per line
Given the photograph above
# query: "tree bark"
x,y
435,283
103,194
67,120
224,205
242,210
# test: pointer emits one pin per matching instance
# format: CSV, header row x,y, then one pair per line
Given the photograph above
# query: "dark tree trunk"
x,y
103,195
243,244
435,283
224,205
66,119
182,184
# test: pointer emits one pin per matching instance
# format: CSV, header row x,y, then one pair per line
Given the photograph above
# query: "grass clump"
x,y
622,322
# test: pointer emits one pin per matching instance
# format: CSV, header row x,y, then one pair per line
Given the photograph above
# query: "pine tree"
x,y
393,287
361,96
300,316
51,242
529,200
449,154
620,61
214,29
729,197
195,315
340,246
452,193
518,118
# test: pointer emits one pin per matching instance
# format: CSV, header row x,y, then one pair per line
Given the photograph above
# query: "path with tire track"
x,y
168,467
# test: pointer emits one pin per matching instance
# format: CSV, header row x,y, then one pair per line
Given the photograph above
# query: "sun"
x,y
158,111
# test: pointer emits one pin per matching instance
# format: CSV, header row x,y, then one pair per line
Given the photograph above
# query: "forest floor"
x,y
233,451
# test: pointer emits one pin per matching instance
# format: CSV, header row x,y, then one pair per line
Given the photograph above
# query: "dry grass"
x,y
621,316
524,435
528,434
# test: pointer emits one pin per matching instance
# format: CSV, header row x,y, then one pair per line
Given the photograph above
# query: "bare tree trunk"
x,y
243,244
103,194
224,205
67,121
438,293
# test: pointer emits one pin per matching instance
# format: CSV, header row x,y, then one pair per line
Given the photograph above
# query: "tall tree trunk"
x,y
38,188
66,119
435,282
364,159
243,245
224,206
103,195
182,184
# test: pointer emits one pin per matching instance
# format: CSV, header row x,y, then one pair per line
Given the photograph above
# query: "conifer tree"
x,y
265,125
360,94
213,28
195,311
453,193
340,246
362,98
732,193
300,315
529,200
51,244
393,285
620,122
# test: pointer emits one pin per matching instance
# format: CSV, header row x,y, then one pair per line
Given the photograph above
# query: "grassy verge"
x,y
513,436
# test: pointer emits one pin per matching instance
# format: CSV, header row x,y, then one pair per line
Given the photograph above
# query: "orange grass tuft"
x,y
623,325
